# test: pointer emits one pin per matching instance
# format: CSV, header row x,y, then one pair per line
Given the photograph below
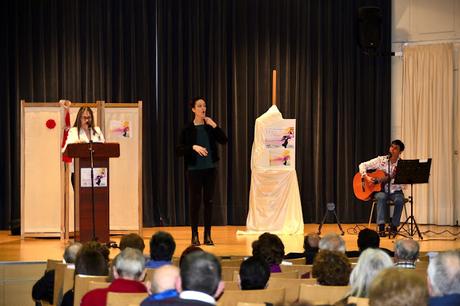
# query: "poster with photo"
x,y
279,143
99,177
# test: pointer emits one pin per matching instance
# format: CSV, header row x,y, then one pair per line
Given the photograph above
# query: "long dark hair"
x,y
77,123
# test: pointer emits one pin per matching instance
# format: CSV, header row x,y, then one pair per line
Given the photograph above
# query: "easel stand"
x,y
330,209
412,172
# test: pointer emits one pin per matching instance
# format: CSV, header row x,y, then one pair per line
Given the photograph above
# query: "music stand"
x,y
412,171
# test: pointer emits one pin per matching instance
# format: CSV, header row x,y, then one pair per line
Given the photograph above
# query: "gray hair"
x,y
70,252
444,273
407,250
370,263
332,242
130,263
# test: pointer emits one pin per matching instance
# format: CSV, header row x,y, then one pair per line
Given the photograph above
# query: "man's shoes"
x,y
382,232
207,239
195,239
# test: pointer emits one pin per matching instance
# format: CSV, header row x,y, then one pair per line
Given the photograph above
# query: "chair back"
x,y
250,304
289,274
234,285
82,286
302,269
125,299
322,294
297,261
358,301
149,274
63,281
233,297
292,287
52,263
231,262
97,285
227,273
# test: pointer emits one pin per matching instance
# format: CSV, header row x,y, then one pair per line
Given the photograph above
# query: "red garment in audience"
x,y
98,297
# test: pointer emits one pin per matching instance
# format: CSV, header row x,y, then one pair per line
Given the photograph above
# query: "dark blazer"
x,y
188,139
175,302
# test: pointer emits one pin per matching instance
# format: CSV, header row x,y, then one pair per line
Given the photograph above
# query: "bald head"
x,y
165,278
406,250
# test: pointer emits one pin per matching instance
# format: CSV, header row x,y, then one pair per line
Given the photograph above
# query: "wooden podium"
x,y
92,222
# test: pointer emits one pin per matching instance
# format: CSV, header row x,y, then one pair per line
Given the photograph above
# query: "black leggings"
x,y
201,186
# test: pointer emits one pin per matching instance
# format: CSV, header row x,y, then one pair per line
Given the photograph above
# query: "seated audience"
x,y
369,264
254,274
310,246
89,261
332,242
406,253
163,283
270,248
44,287
162,247
444,279
188,250
398,287
368,238
200,282
133,241
129,271
331,268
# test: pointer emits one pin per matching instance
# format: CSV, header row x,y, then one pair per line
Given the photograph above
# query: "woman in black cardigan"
x,y
198,145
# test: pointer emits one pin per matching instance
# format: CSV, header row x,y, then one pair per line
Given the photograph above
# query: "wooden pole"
x,y
274,87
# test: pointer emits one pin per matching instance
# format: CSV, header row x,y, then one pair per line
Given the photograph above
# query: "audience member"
x,y
398,287
332,242
444,279
133,241
89,261
129,271
188,250
162,247
406,253
368,238
200,282
310,246
163,283
254,274
331,268
270,248
44,287
369,264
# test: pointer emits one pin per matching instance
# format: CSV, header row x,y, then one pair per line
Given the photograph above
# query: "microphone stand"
x,y
91,151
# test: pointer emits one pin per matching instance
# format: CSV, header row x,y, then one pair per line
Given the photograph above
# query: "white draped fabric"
x,y
427,127
274,199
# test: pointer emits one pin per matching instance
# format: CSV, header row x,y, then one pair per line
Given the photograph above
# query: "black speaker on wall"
x,y
369,27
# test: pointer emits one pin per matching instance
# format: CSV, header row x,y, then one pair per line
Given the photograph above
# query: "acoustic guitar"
x,y
363,189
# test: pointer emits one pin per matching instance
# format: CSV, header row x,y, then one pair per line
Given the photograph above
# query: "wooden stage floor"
x,y
13,248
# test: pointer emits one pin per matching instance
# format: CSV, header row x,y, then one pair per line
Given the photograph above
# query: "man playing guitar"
x,y
388,165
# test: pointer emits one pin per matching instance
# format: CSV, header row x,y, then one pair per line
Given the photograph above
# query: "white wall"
x,y
424,22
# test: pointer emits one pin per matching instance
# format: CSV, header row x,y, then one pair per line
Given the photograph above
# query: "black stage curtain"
x,y
166,52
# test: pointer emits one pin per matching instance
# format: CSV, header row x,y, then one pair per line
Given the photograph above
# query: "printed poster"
x,y
99,177
120,129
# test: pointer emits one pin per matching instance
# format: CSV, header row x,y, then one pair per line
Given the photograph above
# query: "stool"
x,y
390,203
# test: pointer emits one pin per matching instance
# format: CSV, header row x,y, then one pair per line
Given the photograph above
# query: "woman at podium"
x,y
83,131
198,144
